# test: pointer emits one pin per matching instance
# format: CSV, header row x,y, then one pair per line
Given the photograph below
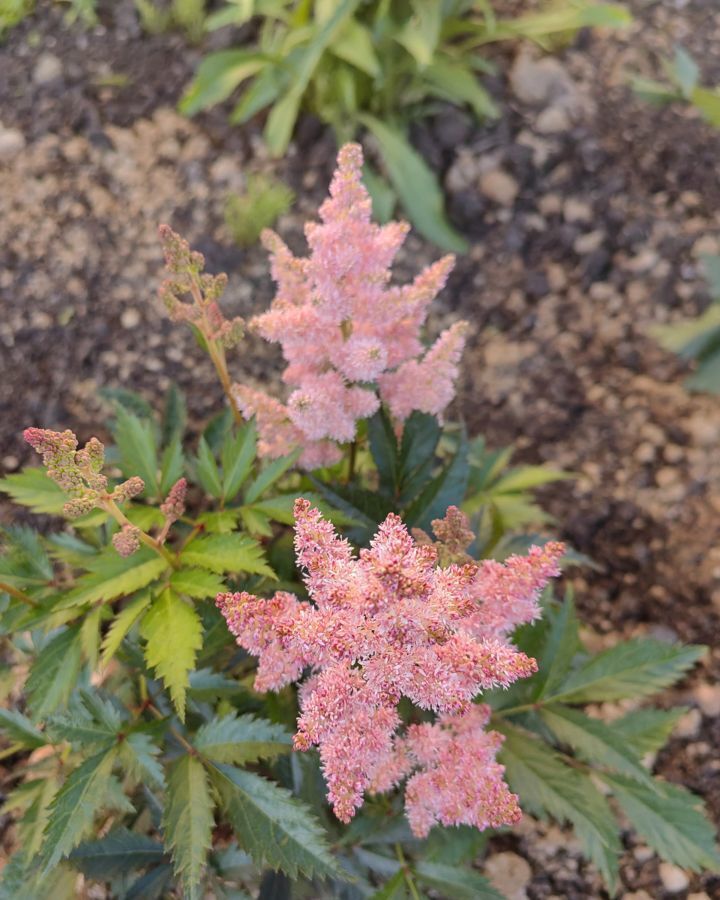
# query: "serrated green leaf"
x,y
456,882
139,754
137,447
630,669
188,821
152,885
205,684
241,739
594,741
115,576
227,553
671,820
269,475
172,465
444,490
34,798
119,852
647,730
548,786
75,805
238,455
271,825
121,625
54,673
207,470
416,185
173,631
33,488
197,583
20,730
174,420
559,650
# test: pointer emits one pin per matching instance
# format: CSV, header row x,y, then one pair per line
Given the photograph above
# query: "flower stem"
x,y
111,507
18,594
409,880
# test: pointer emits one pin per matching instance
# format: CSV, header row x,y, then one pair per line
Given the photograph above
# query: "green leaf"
x,y
35,798
548,786
444,490
172,465
196,583
238,455
421,32
526,478
20,730
670,819
207,470
174,420
271,825
73,810
559,650
173,631
647,730
394,889
456,882
242,739
283,115
421,435
227,553
122,623
135,439
217,77
416,185
382,195
33,488
460,85
139,754
120,851
685,71
594,741
54,673
630,669
188,822
384,449
354,44
708,102
269,475
114,576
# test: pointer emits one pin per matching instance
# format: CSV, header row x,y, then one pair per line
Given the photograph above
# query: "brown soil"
x,y
562,286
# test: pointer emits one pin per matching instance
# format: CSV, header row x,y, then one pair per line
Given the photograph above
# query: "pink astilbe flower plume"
x,y
392,623
351,340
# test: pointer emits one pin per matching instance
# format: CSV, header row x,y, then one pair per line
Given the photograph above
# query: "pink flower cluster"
x,y
351,340
392,623
79,472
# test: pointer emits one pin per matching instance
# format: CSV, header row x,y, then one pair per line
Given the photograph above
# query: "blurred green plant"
x,y
373,67
12,12
682,86
699,338
259,206
188,16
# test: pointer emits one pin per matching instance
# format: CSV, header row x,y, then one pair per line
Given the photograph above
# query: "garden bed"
x,y
583,237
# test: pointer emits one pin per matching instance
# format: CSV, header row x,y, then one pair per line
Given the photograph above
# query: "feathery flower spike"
x,y
392,623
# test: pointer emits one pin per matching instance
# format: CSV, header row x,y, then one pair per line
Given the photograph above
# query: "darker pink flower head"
x,y
351,340
387,624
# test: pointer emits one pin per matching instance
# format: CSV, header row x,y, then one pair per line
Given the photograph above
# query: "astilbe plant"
x,y
391,624
351,340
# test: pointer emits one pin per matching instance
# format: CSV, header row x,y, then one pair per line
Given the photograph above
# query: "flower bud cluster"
x,y
79,472
351,339
186,277
393,623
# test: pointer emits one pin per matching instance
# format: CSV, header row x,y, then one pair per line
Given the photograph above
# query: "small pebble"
x,y
130,318
48,68
499,187
674,879
509,873
708,699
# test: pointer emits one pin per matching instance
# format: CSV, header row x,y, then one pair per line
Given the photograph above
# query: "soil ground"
x,y
586,231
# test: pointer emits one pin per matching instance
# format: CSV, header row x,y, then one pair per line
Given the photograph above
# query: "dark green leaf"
x,y
54,673
207,470
446,489
561,646
241,739
120,851
671,820
455,882
647,730
238,455
135,439
630,669
269,475
384,449
20,730
272,826
73,810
